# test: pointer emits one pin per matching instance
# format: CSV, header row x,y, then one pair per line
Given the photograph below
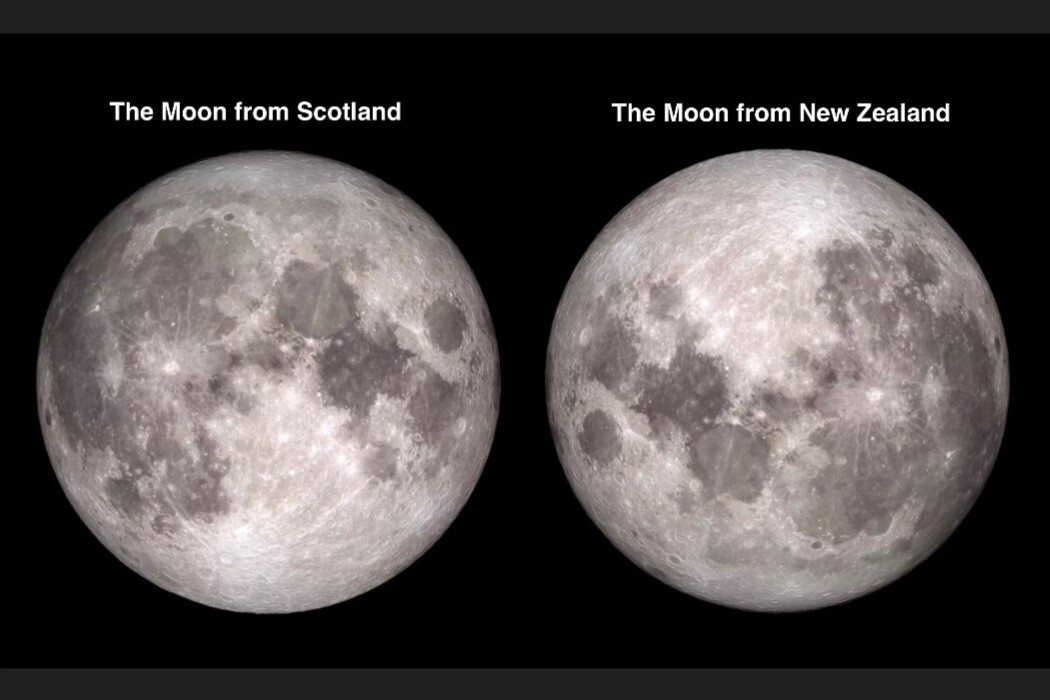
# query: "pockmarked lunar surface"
x,y
777,380
268,382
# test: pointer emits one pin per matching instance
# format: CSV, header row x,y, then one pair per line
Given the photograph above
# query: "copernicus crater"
x,y
268,382
787,370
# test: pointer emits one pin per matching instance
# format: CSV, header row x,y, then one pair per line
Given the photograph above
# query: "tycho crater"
x,y
778,380
268,382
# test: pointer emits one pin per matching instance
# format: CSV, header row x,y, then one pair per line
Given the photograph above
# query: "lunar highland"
x,y
777,380
268,382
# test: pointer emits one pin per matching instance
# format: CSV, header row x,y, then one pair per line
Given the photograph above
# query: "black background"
x,y
510,144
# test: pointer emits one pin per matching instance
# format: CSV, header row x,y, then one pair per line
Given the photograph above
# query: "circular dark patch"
x,y
446,324
47,416
600,437
817,544
228,217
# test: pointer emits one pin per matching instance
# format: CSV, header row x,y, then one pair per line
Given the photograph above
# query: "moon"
x,y
777,380
268,382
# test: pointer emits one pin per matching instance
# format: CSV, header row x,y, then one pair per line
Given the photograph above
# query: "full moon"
x,y
268,382
777,380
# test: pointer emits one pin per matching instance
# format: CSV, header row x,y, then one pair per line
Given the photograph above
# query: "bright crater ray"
x,y
777,380
268,382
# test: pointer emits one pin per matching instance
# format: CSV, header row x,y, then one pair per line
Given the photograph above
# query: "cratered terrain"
x,y
777,380
268,382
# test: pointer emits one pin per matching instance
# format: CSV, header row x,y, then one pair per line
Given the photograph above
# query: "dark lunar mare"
x,y
130,305
875,466
777,483
358,365
689,395
157,299
446,325
600,437
179,326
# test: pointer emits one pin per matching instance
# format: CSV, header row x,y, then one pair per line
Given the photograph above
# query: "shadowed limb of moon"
x,y
268,382
777,380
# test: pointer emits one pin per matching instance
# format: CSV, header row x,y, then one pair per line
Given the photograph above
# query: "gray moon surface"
x,y
777,380
268,382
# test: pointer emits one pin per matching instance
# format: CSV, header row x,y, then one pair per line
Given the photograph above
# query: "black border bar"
x,y
538,16
488,683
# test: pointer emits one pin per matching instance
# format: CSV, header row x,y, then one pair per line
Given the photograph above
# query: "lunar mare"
x,y
268,382
777,380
